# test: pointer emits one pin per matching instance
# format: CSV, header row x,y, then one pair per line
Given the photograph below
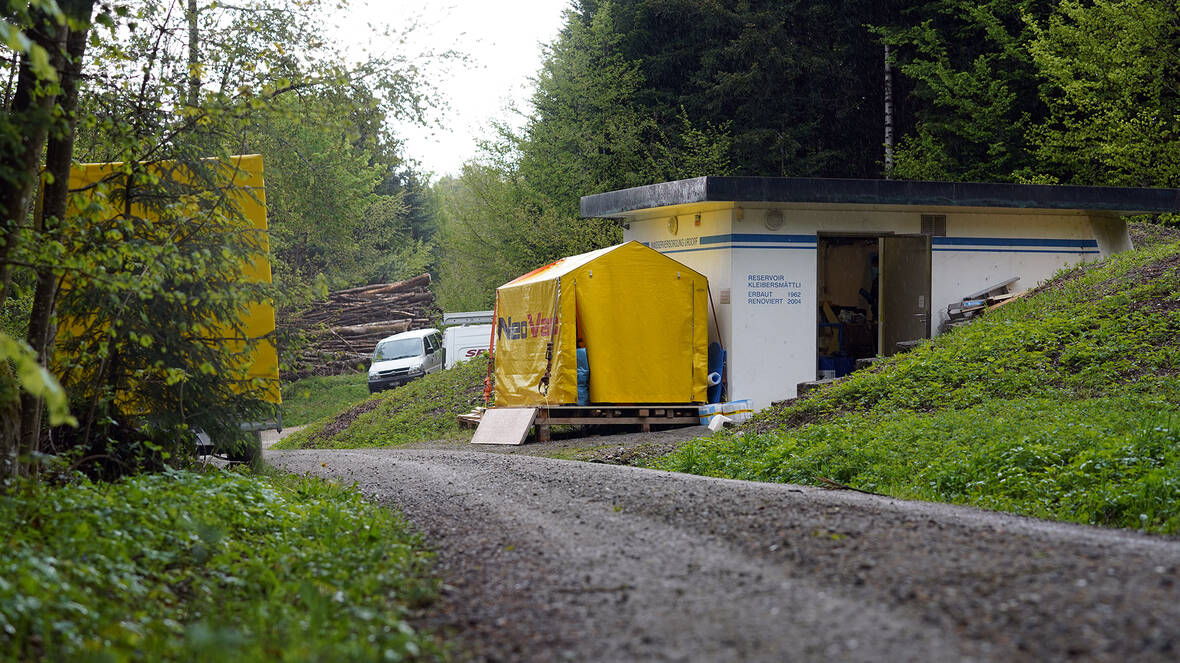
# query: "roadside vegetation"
x,y
315,398
1063,404
213,566
425,409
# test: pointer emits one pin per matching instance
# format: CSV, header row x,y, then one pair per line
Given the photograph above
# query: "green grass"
x,y
219,566
1063,404
312,399
425,409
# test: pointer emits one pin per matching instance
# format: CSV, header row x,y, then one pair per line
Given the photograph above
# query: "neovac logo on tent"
x,y
534,327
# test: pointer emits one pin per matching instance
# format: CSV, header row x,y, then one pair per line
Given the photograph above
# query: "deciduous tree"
x,y
150,257
1109,70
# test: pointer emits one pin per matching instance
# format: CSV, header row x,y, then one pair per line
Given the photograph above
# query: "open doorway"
x,y
872,293
848,307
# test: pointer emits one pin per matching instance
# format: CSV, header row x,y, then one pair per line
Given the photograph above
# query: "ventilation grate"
x,y
934,225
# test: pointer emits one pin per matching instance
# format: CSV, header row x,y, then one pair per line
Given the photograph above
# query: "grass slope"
x,y
424,409
312,399
216,566
1063,404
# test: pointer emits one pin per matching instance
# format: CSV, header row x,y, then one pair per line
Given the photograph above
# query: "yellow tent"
x,y
641,316
240,179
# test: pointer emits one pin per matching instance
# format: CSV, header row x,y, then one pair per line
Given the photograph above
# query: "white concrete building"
x,y
804,271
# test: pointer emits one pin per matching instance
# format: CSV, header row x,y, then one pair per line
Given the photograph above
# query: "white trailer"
x,y
465,341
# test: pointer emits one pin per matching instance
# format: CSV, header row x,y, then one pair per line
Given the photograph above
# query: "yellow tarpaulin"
x,y
641,316
241,180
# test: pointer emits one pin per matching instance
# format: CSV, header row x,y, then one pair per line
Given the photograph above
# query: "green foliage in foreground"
x,y
206,567
1063,404
311,399
425,409
21,366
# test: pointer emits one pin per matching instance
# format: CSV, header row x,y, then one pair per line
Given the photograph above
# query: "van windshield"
x,y
398,349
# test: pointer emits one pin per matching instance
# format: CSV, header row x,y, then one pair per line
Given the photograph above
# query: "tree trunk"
x,y
194,55
888,115
54,201
31,113
9,421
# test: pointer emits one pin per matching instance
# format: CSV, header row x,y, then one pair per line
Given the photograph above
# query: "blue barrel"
x,y
583,377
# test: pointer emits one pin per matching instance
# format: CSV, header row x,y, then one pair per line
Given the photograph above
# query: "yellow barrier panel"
x,y
242,182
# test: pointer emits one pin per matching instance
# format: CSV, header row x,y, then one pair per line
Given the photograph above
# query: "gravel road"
x,y
547,559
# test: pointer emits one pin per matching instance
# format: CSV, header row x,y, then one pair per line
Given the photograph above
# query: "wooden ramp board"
x,y
505,425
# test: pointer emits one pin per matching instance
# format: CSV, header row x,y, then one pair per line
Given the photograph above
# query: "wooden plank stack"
x,y
341,332
471,419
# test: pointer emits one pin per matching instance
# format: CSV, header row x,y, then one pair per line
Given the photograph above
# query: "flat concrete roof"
x,y
1116,200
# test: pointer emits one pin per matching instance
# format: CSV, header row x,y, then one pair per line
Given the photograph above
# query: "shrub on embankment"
x,y
1063,404
425,409
181,566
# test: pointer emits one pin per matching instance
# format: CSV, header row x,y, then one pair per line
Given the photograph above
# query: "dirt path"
x,y
269,437
558,560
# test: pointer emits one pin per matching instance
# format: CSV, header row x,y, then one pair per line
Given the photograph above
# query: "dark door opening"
x,y
872,293
848,307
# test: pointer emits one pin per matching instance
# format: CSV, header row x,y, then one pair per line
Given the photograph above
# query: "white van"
x,y
463,343
406,356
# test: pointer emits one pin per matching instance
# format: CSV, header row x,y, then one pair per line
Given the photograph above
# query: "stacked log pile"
x,y
340,334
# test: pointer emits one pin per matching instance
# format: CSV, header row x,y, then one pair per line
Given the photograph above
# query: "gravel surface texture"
x,y
546,559
614,448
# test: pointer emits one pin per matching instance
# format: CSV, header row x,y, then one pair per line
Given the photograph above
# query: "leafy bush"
x,y
218,566
1062,404
424,409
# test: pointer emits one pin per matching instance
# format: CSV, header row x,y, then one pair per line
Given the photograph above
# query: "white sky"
x,y
503,39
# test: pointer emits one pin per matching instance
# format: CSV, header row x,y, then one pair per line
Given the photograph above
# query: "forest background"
x,y
631,92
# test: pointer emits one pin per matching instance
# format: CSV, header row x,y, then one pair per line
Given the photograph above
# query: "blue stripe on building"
x,y
1014,241
719,247
960,250
755,237
940,244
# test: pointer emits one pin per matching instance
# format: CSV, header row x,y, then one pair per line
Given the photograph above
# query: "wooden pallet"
x,y
643,415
